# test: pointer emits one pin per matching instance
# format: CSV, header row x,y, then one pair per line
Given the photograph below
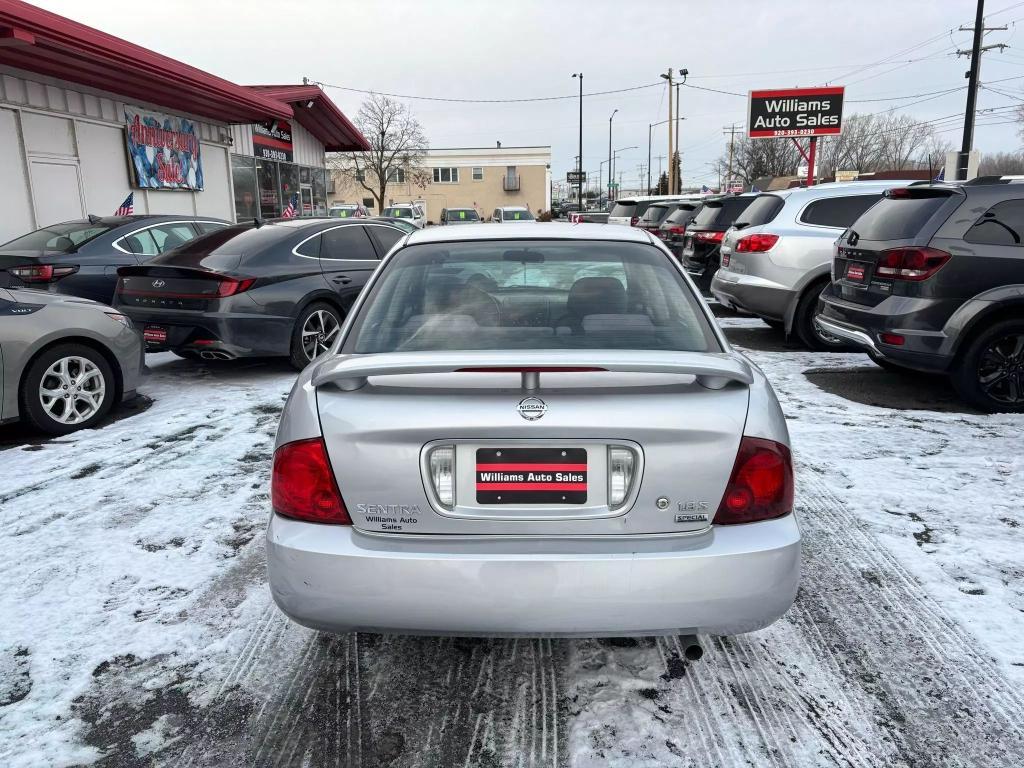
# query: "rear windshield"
x,y
655,214
683,215
898,218
499,295
720,214
398,213
57,238
761,211
235,240
623,208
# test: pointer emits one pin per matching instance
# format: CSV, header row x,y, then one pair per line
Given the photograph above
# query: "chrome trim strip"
x,y
857,337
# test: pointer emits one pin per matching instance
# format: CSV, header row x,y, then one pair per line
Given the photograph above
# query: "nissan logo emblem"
x,y
532,408
159,283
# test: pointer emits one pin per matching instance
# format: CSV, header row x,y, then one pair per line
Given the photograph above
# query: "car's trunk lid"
x,y
517,473
171,287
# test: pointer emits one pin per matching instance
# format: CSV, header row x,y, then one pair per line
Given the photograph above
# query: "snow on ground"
x,y
138,629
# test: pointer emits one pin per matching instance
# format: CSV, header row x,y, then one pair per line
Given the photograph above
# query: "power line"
x,y
480,101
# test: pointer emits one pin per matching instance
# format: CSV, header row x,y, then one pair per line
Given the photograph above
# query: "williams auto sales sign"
x,y
164,151
795,112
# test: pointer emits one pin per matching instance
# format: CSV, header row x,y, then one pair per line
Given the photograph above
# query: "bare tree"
x,y
903,138
999,163
397,144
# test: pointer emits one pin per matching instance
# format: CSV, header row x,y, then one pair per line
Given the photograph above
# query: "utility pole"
x,y
659,158
579,165
649,127
731,130
671,179
979,29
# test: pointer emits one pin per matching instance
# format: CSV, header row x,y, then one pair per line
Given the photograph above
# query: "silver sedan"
x,y
532,431
65,360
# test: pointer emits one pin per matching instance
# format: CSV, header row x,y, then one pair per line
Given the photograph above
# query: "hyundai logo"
x,y
159,283
532,408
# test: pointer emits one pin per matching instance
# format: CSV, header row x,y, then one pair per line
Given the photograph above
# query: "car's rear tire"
x,y
315,330
66,388
990,373
806,331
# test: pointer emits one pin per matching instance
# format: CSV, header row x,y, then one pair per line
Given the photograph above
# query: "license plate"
x,y
725,259
855,271
531,476
154,334
688,249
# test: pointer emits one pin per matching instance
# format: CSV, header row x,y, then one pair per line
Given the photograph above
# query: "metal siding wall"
x,y
102,157
307,148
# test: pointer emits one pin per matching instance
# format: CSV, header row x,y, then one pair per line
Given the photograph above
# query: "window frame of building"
x,y
478,173
453,175
396,176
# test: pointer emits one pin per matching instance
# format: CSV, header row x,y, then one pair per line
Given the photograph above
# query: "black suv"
x,y
700,247
275,288
931,278
81,258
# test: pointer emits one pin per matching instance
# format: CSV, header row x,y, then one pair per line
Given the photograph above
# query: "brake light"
x,y
710,237
677,230
302,485
899,193
43,273
229,286
891,338
758,243
914,264
761,485
633,220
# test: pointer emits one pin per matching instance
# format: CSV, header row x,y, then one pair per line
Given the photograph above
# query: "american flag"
x,y
127,208
291,211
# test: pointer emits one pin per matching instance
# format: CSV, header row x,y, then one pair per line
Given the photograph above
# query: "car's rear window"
x,y
497,295
398,213
236,240
623,208
898,218
683,214
720,214
761,211
655,214
57,238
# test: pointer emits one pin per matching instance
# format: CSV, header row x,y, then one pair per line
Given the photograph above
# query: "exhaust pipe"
x,y
215,355
692,649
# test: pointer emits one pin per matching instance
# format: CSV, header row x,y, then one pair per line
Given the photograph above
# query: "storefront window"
x,y
305,175
290,186
266,178
243,172
319,191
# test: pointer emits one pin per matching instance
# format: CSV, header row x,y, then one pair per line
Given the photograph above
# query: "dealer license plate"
x,y
531,476
154,334
855,271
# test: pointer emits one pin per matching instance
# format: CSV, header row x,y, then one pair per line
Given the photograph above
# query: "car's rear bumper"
x,y
727,580
753,294
922,349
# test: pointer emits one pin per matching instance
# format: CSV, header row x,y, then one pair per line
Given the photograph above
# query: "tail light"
x,y
302,485
710,237
621,469
757,243
894,339
761,485
441,461
229,286
633,220
914,264
43,273
677,230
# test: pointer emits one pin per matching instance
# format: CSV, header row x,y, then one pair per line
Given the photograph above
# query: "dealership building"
x,y
88,119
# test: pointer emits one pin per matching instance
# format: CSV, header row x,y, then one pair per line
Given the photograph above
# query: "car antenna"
x,y
94,219
258,222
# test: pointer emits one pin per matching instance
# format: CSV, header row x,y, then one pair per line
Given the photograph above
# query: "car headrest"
x,y
173,240
63,243
596,296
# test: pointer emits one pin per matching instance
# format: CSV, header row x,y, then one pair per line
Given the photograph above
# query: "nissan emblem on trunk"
x,y
532,408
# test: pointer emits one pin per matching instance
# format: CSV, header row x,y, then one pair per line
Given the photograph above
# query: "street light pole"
x,y
610,174
671,165
649,127
579,166
679,175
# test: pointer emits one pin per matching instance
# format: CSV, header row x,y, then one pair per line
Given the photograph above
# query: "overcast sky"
x,y
525,49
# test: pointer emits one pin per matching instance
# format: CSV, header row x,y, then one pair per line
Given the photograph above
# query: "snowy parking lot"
x,y
138,629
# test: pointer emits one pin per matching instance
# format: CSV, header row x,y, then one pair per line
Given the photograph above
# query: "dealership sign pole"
x,y
794,113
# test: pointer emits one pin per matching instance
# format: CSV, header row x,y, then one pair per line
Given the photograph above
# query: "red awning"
x,y
38,41
318,115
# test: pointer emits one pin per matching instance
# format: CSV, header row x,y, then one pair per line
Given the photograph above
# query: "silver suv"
x,y
777,258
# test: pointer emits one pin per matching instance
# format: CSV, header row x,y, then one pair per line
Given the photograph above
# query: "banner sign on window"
x,y
164,150
272,140
795,112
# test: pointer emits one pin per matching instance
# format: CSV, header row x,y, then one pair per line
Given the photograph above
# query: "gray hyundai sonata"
x,y
528,430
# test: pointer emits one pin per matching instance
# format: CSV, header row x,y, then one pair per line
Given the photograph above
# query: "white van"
x,y
408,211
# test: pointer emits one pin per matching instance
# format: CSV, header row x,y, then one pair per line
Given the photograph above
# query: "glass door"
x,y
306,195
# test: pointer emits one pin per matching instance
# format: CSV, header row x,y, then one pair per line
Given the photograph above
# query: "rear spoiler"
x,y
713,370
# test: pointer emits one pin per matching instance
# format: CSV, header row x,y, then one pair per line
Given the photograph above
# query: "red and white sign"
x,y
795,112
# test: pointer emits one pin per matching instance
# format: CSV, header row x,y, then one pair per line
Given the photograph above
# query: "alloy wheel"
x,y
72,390
318,333
1001,370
